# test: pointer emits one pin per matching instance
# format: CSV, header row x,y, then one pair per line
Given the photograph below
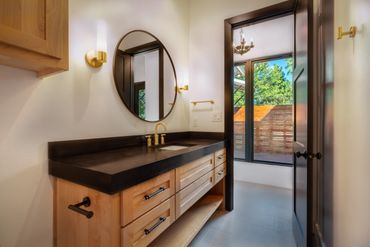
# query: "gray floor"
x,y
261,218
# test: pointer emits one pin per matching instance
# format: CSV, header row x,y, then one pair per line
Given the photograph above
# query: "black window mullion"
x,y
248,112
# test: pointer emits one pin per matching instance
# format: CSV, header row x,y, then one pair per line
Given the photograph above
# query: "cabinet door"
x,y
190,172
220,157
33,25
145,229
192,193
139,199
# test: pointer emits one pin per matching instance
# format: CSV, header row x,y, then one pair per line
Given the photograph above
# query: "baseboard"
x,y
274,175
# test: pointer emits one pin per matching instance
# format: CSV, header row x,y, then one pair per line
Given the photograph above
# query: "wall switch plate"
x,y
217,117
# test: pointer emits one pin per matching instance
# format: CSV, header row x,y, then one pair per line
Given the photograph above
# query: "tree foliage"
x,y
272,84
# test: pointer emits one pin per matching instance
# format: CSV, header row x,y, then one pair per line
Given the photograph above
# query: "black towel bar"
x,y
77,207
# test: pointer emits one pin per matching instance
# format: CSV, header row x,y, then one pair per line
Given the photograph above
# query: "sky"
x,y
282,63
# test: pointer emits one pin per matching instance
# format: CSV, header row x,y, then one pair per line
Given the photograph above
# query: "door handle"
x,y
299,154
315,156
306,155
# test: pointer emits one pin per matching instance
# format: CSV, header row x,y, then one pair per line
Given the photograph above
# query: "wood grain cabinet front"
x,y
220,157
34,35
192,193
220,172
145,229
188,173
136,216
139,199
72,229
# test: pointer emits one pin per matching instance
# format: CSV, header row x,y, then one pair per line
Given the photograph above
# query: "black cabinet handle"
x,y
77,207
161,189
220,173
152,228
220,157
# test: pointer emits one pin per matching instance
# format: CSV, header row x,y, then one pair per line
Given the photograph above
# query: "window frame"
x,y
249,110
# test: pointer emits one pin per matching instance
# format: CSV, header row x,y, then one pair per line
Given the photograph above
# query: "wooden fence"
x,y
272,134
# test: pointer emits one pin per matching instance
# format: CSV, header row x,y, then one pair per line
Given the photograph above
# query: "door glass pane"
x,y
273,110
239,111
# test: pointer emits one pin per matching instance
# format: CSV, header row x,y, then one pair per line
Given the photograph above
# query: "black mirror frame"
x,y
116,83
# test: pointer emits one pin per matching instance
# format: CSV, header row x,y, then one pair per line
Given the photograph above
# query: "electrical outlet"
x,y
217,117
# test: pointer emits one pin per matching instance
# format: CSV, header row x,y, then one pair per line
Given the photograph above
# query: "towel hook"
x,y
351,33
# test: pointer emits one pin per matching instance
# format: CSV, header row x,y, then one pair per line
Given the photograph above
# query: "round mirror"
x,y
144,75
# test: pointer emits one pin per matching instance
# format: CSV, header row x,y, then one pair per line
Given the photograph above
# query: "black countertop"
x,y
110,165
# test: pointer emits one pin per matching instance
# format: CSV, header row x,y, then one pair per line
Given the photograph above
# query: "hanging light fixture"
x,y
242,48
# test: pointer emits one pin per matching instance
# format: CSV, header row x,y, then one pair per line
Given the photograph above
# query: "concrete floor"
x,y
262,217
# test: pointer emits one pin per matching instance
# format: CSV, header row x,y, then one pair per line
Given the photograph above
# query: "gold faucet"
x,y
156,136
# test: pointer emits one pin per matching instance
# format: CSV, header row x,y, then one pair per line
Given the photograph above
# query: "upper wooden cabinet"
x,y
34,35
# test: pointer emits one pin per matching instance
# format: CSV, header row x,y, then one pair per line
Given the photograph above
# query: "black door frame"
x,y
260,15
323,22
321,65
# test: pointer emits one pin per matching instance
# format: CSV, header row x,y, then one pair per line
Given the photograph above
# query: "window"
x,y
267,134
239,111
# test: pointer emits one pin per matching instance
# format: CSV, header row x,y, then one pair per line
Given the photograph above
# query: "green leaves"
x,y
273,84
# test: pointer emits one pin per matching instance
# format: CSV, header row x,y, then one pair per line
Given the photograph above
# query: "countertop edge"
x,y
112,184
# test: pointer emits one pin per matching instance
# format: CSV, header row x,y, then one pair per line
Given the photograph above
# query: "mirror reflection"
x,y
145,76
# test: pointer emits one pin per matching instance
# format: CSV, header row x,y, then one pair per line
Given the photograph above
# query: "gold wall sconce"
x,y
184,88
96,58
351,33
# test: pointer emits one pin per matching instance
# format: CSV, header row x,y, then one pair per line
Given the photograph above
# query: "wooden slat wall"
x,y
273,134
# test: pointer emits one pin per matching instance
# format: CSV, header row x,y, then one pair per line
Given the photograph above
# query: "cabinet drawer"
x,y
140,198
188,173
220,172
220,157
145,229
191,194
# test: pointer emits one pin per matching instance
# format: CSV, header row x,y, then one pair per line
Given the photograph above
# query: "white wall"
x,y
80,103
152,85
83,102
169,84
270,38
135,39
206,59
351,126
278,176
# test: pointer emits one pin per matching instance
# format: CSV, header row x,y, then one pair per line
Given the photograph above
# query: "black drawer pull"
x,y
161,189
152,228
77,207
220,157
220,173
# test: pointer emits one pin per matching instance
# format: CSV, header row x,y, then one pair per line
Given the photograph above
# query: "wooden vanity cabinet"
x,y
149,226
34,35
75,230
220,157
139,199
187,174
146,214
192,193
